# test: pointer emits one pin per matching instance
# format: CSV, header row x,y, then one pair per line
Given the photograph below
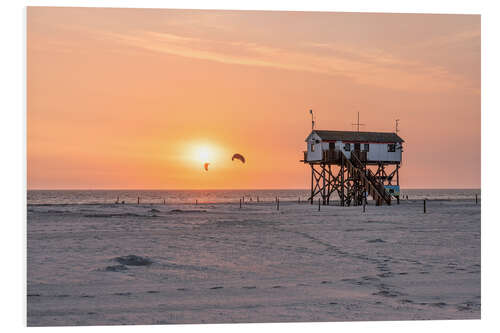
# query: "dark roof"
x,y
381,137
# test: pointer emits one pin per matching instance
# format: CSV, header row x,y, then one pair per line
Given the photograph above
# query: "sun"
x,y
199,152
204,154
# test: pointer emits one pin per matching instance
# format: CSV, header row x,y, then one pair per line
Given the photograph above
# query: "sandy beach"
x,y
110,264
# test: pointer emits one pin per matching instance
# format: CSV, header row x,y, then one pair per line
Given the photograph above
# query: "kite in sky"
x,y
238,157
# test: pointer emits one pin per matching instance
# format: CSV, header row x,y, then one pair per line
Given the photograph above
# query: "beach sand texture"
x,y
107,264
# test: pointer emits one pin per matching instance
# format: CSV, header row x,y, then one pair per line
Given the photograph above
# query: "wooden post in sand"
x,y
164,202
277,203
138,200
425,210
476,198
240,203
319,205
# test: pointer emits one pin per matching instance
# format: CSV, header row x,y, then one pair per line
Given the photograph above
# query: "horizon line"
x,y
227,189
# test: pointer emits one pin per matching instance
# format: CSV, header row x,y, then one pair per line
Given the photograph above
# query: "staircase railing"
x,y
375,187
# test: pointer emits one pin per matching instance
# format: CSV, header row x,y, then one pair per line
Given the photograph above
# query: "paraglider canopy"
x,y
238,157
206,166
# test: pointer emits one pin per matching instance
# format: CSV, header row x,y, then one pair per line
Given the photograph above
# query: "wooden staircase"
x,y
368,181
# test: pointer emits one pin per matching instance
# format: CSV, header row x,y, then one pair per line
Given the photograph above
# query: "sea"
x,y
58,197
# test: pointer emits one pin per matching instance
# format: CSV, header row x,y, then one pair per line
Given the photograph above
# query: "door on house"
x,y
331,151
357,150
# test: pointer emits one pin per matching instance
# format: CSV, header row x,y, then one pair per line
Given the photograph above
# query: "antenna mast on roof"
x,y
397,128
358,124
312,119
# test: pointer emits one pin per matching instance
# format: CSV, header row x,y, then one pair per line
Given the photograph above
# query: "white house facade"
x,y
374,146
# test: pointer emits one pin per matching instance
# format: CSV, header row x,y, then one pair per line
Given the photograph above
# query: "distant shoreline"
x,y
219,196
250,189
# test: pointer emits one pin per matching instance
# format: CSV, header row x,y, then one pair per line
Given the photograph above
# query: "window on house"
x,y
366,147
312,146
391,147
347,146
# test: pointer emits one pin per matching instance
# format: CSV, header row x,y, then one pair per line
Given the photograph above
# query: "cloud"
x,y
364,66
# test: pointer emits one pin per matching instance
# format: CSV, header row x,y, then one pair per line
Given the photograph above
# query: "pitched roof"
x,y
382,137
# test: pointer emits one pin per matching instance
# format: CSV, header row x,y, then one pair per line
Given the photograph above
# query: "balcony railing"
x,y
331,156
334,156
361,155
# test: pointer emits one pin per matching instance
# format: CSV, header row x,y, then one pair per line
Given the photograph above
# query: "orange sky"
x,y
126,98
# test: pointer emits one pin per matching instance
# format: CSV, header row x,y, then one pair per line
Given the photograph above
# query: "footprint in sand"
x,y
370,278
439,304
385,293
347,280
123,294
406,301
385,275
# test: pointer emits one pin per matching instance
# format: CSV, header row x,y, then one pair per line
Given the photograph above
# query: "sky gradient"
x,y
140,98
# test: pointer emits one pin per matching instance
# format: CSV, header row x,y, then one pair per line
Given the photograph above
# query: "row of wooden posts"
x,y
277,201
425,205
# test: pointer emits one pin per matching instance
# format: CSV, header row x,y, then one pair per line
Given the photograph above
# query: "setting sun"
x,y
204,154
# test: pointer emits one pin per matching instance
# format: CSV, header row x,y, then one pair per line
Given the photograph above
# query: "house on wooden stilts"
x,y
354,165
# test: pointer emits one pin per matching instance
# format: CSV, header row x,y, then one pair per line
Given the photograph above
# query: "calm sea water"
x,y
212,196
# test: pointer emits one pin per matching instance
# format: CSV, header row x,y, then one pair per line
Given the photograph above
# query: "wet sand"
x,y
214,263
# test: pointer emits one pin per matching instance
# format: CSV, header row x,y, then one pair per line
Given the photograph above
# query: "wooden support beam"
x,y
342,184
312,181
